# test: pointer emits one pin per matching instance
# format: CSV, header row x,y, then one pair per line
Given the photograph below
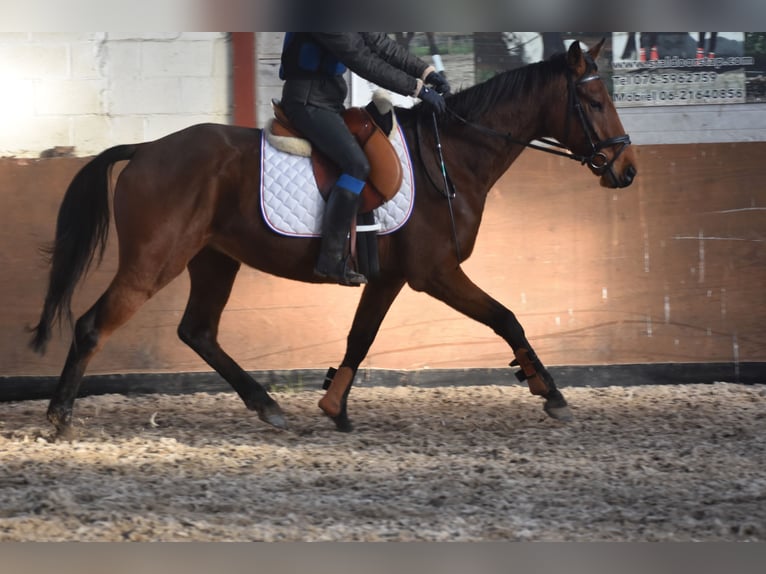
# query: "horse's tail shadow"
x,y
82,229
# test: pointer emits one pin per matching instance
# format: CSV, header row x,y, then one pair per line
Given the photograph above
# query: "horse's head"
x,y
590,126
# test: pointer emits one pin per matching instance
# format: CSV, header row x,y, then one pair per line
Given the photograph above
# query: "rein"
x,y
549,146
448,192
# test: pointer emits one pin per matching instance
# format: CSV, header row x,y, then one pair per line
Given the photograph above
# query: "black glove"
x,y
433,99
439,83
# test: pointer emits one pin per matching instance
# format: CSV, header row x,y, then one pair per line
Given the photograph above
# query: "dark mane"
x,y
473,102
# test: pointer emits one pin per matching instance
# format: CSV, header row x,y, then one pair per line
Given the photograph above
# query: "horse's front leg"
x,y
456,290
376,300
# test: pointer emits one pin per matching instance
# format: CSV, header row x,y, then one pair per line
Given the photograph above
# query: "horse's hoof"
x,y
560,413
556,407
337,415
342,424
274,416
64,434
61,419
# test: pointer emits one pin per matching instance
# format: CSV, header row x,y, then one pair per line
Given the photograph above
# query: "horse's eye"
x,y
596,106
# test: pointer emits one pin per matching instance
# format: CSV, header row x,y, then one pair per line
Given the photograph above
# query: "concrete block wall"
x,y
268,48
93,90
89,91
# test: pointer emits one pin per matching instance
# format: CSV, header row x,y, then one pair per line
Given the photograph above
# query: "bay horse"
x,y
190,200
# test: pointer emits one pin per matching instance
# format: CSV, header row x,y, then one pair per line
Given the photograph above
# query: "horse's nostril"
x,y
628,175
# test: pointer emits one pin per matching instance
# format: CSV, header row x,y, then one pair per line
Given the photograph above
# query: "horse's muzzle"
x,y
612,179
627,177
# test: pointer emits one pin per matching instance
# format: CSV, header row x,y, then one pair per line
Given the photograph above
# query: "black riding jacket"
x,y
313,65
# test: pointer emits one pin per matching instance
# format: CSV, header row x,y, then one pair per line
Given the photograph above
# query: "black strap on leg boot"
x,y
333,260
367,260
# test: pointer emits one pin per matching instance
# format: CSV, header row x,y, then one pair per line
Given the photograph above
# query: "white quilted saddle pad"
x,y
291,202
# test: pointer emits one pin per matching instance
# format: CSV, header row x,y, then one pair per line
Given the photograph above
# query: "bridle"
x,y
596,159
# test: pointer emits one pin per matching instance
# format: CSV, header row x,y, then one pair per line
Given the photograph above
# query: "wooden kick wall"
x,y
669,270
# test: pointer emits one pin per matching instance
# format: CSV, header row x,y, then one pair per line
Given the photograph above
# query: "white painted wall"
x,y
94,90
695,124
268,48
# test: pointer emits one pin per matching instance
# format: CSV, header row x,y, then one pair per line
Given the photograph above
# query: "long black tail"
x,y
82,229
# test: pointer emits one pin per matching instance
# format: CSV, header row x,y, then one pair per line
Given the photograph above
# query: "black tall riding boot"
x,y
340,210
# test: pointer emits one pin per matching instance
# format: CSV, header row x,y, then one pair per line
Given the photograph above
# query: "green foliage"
x,y
755,44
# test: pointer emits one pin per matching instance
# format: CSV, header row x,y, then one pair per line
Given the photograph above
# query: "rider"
x,y
313,98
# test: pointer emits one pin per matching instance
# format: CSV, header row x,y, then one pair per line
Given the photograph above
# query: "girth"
x,y
385,176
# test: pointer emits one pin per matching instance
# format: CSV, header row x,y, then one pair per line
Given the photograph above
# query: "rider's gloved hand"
x,y
438,82
434,99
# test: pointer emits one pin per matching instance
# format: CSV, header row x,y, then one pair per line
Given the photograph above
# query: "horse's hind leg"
x,y
212,277
113,308
376,300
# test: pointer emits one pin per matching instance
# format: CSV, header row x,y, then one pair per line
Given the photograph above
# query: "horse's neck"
x,y
523,118
490,147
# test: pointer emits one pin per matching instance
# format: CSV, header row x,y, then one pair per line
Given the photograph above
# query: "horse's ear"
x,y
576,60
596,50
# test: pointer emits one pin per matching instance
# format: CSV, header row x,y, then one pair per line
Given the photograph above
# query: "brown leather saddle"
x,y
385,177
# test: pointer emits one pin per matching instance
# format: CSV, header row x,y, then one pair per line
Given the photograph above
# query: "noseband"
x,y
597,160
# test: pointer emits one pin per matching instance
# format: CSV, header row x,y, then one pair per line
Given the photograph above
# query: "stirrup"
x,y
347,277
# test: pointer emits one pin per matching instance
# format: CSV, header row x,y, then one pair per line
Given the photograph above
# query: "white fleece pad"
x,y
291,202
